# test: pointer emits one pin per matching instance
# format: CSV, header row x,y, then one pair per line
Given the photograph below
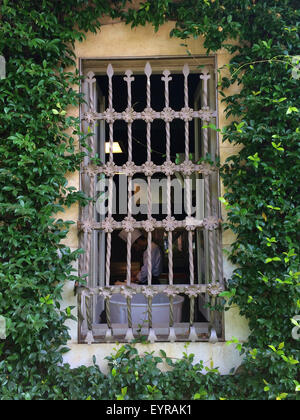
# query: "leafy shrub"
x,y
262,196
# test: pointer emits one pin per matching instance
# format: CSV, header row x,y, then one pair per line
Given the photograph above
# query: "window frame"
x,y
88,294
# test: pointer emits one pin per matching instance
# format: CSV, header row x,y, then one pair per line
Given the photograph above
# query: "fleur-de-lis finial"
x,y
110,70
205,74
166,76
110,73
90,77
148,70
186,70
129,78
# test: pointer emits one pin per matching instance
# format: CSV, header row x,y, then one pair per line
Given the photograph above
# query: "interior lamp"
x,y
116,147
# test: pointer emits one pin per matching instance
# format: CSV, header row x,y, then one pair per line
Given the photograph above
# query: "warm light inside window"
x,y
116,147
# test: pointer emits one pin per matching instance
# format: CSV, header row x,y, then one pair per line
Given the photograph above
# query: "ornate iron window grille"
x,y
88,224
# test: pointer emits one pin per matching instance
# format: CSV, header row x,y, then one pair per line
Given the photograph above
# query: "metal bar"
x,y
149,245
89,317
110,73
108,256
153,290
100,215
186,72
148,72
167,115
128,115
108,238
220,257
88,181
191,258
172,333
129,334
129,111
149,258
109,332
129,234
170,257
152,336
205,76
128,275
115,169
155,224
188,188
193,334
166,79
213,338
88,238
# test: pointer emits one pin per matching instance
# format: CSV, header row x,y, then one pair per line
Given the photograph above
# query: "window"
x,y
152,233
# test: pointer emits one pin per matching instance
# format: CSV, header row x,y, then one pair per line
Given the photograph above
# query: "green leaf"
x,y
291,109
294,322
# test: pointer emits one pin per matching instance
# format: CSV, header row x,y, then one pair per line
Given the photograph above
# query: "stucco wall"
x,y
119,40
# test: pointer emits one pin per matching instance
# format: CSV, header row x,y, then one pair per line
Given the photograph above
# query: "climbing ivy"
x,y
262,199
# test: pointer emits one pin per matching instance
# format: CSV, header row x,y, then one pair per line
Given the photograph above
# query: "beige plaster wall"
x,y
225,357
118,40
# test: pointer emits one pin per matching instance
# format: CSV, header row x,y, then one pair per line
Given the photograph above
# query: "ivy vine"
x,y
262,198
